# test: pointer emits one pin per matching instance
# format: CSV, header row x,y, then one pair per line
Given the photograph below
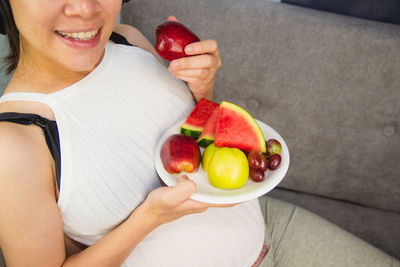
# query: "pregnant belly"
x,y
219,237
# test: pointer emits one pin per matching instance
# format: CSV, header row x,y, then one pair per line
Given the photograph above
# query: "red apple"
x,y
172,37
180,153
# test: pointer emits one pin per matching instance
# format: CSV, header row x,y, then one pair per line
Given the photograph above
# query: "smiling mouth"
x,y
79,36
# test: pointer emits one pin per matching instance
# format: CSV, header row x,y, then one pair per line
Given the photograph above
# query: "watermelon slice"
x,y
237,128
194,124
207,136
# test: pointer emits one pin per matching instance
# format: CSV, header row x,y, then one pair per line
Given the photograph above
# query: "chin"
x,y
84,64
80,60
83,67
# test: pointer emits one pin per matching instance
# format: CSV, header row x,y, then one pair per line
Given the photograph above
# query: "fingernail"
x,y
189,49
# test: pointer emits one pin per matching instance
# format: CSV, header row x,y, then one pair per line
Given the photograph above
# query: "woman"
x,y
102,107
69,72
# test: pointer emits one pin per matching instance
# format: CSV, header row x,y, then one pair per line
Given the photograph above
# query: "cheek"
x,y
35,29
113,8
34,14
110,12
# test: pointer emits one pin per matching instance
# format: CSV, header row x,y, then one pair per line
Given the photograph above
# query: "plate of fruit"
x,y
231,156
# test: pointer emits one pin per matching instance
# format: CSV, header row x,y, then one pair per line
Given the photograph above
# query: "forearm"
x,y
115,247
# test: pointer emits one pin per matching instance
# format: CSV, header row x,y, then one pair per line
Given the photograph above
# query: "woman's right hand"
x,y
166,204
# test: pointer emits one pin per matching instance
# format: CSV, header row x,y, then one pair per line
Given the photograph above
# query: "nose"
x,y
81,8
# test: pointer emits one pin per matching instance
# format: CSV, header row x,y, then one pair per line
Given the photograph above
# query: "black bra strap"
x,y
49,129
119,39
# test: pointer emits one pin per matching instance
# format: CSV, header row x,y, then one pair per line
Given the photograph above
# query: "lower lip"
x,y
80,44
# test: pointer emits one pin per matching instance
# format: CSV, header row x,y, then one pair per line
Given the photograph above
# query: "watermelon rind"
x,y
261,147
205,140
191,131
207,136
195,122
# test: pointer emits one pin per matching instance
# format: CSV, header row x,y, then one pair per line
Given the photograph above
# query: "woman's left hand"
x,y
199,68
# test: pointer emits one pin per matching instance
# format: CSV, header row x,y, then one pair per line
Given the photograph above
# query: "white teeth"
x,y
82,36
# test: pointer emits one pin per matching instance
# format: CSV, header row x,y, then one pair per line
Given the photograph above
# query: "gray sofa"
x,y
329,84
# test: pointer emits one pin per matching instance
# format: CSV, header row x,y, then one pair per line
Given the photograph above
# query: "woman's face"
x,y
65,34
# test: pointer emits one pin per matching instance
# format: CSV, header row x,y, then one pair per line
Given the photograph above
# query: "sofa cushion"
x,y
327,83
2,262
4,78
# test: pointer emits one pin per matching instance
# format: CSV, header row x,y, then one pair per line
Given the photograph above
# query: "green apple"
x,y
228,168
207,155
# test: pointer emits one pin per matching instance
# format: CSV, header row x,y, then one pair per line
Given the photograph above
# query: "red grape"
x,y
274,161
267,155
273,147
257,161
256,175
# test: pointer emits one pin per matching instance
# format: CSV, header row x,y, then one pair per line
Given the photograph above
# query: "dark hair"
x,y
8,27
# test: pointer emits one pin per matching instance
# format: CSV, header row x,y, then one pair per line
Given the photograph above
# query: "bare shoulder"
x,y
135,37
29,217
21,144
14,146
132,34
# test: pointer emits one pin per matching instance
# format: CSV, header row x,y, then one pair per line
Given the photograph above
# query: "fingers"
x,y
195,62
198,207
172,18
223,205
182,190
193,206
202,47
199,68
204,73
203,64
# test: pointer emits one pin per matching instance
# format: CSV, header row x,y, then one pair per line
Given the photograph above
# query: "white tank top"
x,y
109,123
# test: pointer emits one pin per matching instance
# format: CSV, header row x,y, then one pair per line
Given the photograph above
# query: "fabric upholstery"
x,y
4,78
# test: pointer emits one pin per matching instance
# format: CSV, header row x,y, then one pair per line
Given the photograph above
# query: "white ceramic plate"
x,y
205,192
